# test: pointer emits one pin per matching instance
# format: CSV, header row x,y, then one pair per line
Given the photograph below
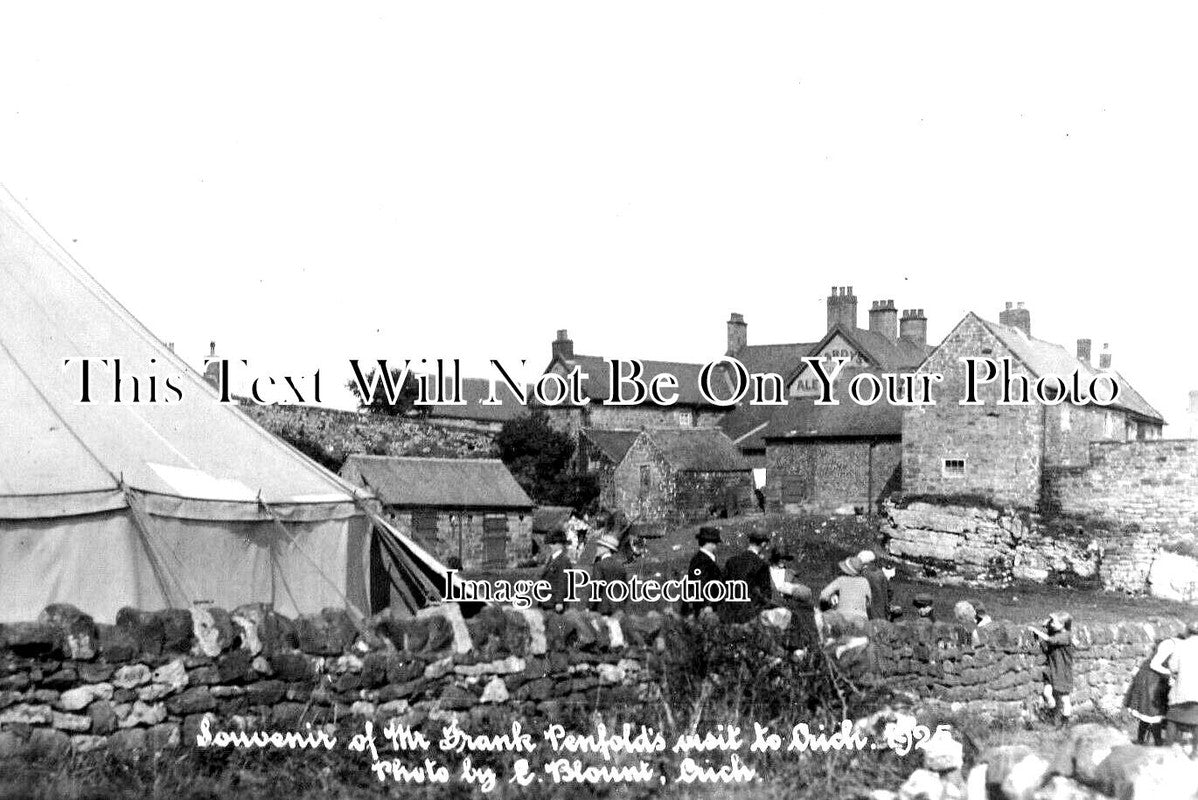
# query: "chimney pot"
x,y
883,319
212,348
1083,351
562,347
738,333
1020,318
842,308
914,327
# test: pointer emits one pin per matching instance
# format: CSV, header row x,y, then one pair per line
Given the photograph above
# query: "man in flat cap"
x,y
609,567
704,569
555,570
750,567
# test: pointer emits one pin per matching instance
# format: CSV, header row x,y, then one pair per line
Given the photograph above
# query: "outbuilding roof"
x,y
437,482
612,444
698,449
803,419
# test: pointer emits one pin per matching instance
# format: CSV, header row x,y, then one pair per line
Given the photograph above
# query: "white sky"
x,y
309,183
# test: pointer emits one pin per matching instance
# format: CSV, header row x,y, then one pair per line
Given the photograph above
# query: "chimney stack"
x,y
212,371
883,318
1083,351
842,308
1104,358
563,347
738,333
1194,401
1018,317
914,326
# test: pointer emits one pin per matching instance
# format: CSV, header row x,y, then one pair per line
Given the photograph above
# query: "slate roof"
x,y
884,353
596,384
1045,358
782,359
474,390
612,444
437,482
747,424
803,419
698,449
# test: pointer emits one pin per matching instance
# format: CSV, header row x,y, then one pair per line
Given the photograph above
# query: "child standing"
x,y
1057,642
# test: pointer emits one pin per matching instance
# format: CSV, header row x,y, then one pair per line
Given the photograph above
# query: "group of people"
x,y
1165,690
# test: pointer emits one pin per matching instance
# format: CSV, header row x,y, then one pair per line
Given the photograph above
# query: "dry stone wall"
x,y
1128,521
155,679
1000,671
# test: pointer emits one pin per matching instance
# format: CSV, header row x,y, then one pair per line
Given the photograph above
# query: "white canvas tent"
x,y
156,505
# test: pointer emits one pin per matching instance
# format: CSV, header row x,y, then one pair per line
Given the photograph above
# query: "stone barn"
x,y
821,458
679,475
469,509
599,453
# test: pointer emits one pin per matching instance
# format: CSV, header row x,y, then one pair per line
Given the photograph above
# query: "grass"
x,y
819,543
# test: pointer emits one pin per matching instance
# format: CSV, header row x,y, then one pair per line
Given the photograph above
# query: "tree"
x,y
540,458
405,399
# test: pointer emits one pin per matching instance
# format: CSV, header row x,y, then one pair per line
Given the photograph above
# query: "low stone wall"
x,y
1000,672
151,680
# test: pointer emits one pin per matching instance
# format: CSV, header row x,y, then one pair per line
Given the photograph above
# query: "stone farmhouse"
x,y
1066,492
1004,452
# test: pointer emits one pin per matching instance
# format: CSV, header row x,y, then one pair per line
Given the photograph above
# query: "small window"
x,y
954,468
686,418
646,476
1066,423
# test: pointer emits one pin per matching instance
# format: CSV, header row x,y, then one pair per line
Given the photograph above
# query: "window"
x,y
953,468
686,418
1065,421
646,477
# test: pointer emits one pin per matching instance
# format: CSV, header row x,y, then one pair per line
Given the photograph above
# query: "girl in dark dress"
x,y
1057,641
1147,698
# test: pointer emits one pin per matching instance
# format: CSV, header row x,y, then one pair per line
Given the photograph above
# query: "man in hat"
x,y
555,570
925,607
750,567
879,584
704,569
608,568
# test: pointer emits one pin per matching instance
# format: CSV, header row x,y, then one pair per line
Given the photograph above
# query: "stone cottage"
x,y
680,475
1002,452
1056,491
469,509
